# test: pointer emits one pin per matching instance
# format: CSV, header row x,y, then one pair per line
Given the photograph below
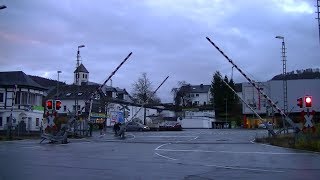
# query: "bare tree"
x,y
142,90
181,94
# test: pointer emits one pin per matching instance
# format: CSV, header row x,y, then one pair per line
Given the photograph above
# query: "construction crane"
x,y
289,120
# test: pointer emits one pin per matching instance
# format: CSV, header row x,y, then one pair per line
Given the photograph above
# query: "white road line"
x,y
240,168
233,152
166,136
161,146
165,157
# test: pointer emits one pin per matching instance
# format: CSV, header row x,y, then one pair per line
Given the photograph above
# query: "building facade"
x,y
274,89
26,105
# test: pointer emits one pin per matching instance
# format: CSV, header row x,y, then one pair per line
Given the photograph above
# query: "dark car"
x,y
134,126
170,126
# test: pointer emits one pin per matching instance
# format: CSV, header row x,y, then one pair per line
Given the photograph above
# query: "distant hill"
x,y
48,83
300,74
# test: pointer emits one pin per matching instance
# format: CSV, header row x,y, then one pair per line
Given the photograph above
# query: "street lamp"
x,y
3,7
58,83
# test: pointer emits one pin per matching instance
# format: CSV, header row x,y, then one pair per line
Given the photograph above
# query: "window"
x,y
64,108
74,107
204,103
0,121
24,98
192,95
86,76
1,97
197,95
80,93
68,94
37,121
97,96
17,100
8,118
32,99
82,75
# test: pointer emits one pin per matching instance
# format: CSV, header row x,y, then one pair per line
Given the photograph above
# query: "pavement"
x,y
189,154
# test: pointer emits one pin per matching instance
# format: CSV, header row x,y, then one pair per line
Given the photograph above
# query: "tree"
x,y
223,96
142,91
181,94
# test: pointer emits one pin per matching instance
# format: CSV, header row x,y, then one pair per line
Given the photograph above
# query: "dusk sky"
x,y
167,38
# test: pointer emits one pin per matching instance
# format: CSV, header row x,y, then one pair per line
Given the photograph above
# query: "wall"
x,y
274,89
203,97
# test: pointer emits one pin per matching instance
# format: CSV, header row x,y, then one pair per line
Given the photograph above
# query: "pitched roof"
x,y
199,88
81,68
82,92
45,82
19,78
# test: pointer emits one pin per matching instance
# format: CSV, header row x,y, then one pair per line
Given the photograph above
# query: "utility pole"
x,y
58,84
284,81
9,124
318,13
226,111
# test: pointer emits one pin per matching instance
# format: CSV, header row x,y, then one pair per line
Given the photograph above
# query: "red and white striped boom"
x,y
255,86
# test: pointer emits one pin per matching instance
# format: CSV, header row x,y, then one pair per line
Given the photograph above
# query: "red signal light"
x,y
49,104
58,104
308,100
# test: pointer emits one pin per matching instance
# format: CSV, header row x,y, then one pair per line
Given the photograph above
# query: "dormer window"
x,y
80,93
97,96
68,94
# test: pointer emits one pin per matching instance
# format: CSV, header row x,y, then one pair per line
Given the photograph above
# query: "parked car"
x,y
135,126
264,125
170,126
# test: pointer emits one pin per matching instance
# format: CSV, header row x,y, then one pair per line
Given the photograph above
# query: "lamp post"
x,y
58,83
284,81
226,99
3,7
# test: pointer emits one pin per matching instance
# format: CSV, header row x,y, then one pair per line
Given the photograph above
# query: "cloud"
x,y
166,38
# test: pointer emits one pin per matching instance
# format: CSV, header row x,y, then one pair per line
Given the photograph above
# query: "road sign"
x,y
308,120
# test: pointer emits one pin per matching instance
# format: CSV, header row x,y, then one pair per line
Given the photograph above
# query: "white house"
x,y
197,94
27,104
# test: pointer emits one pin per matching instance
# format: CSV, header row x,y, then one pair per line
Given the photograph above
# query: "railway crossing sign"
x,y
308,120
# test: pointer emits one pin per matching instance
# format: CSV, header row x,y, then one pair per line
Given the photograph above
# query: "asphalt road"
x,y
190,154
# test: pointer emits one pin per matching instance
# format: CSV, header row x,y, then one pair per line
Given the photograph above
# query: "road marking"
x,y
166,136
240,168
232,152
165,157
161,146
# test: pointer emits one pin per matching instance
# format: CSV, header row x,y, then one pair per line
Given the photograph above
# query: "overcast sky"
x,y
167,38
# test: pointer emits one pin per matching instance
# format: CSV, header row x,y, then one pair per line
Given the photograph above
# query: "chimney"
x,y
201,86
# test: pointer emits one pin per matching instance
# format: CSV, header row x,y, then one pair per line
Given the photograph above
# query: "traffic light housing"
x,y
300,102
49,104
58,104
308,101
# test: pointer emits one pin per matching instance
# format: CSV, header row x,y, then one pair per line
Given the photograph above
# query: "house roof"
x,y
19,78
82,92
45,82
81,68
198,88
